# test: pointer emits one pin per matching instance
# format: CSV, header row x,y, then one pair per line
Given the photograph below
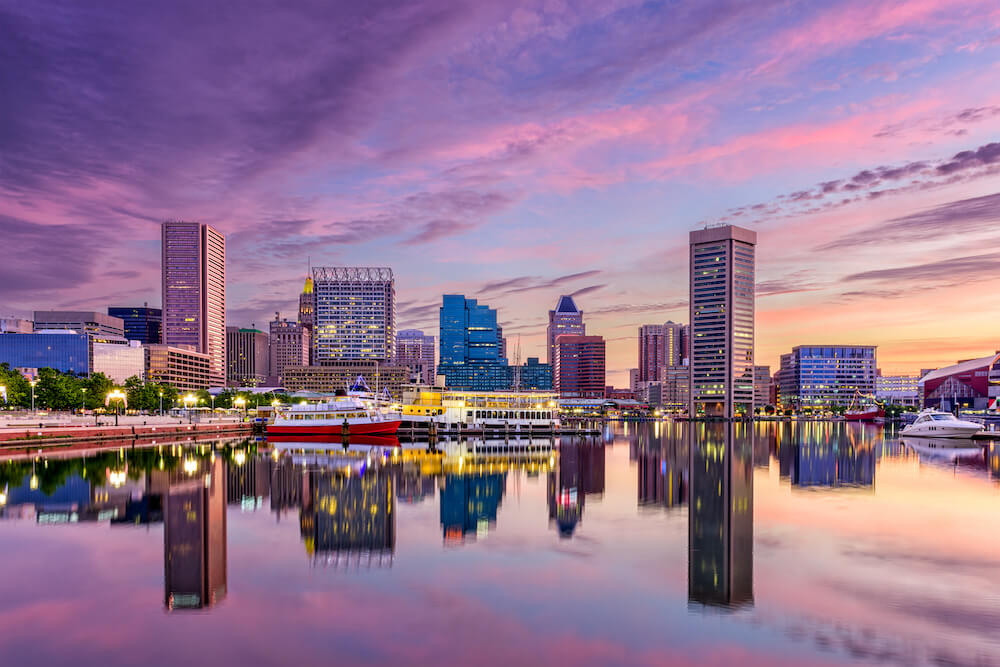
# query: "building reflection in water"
x,y
578,474
823,455
720,516
194,534
469,504
661,456
348,518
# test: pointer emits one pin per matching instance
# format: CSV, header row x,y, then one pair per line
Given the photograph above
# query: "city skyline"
x,y
856,140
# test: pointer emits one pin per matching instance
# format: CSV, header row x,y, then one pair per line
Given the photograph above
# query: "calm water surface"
x,y
654,544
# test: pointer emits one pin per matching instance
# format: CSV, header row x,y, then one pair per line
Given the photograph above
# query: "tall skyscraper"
x,y
194,291
565,319
355,314
416,351
248,354
579,370
307,310
142,323
722,321
289,344
470,346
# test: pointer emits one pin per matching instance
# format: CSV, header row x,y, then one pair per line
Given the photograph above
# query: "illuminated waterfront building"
x,y
579,371
969,384
531,375
248,352
761,386
824,376
194,291
416,351
332,376
355,314
289,344
566,319
194,535
722,321
898,389
181,367
142,323
720,515
469,343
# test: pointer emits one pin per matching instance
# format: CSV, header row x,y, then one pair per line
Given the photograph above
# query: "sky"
x,y
517,151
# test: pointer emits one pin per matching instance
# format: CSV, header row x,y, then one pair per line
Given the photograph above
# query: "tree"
x,y
18,389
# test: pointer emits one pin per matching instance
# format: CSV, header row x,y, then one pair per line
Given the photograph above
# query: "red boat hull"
x,y
373,428
865,416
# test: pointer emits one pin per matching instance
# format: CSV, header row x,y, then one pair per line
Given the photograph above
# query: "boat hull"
x,y
863,415
950,432
365,428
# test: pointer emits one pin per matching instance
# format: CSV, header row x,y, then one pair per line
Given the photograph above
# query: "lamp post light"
x,y
240,402
33,383
190,400
116,395
83,401
3,392
161,403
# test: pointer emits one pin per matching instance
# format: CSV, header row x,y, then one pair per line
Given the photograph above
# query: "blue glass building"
x,y
141,323
469,346
533,376
65,351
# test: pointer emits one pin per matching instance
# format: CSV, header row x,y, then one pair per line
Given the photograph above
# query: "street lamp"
x,y
161,403
33,383
189,400
83,401
240,402
116,395
3,392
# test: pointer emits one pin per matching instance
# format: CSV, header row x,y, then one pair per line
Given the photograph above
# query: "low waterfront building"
x,y
531,375
80,321
898,389
63,350
332,376
965,384
248,355
579,370
118,359
141,323
673,392
825,376
180,366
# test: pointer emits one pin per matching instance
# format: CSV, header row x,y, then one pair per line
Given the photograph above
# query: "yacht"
x,y
937,424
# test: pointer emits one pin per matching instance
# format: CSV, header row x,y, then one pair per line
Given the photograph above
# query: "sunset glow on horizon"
x,y
514,152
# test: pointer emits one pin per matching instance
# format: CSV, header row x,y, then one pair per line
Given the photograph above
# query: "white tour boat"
x,y
329,418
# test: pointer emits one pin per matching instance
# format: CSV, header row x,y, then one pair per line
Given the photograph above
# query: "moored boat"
x,y
936,424
341,415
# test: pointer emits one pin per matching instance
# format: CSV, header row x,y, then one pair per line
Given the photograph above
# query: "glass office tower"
x,y
469,346
142,323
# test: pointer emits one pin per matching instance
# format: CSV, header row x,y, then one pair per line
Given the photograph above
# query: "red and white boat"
x,y
330,417
865,414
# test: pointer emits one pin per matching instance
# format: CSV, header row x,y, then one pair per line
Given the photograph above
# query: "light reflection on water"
x,y
655,543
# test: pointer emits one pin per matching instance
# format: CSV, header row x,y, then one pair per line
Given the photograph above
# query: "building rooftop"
x,y
962,367
566,305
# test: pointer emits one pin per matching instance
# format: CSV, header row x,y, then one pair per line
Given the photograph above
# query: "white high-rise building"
x,y
722,321
355,314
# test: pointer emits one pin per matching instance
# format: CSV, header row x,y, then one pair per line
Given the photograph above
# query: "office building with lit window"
x,y
289,344
722,305
566,319
181,367
469,346
416,351
826,376
194,291
248,354
659,347
355,314
142,323
579,371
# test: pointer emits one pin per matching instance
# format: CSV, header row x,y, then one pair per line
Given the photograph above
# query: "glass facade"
x,y
355,314
67,352
531,376
722,321
824,376
119,361
141,323
469,346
